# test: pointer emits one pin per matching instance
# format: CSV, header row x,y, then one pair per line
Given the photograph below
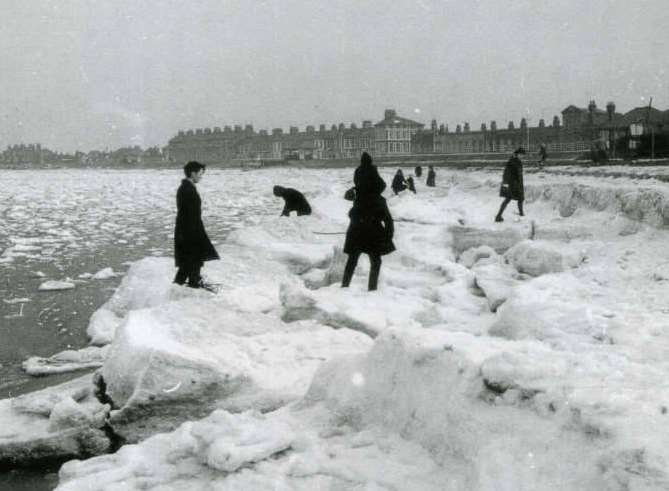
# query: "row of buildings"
x,y
32,153
580,129
23,155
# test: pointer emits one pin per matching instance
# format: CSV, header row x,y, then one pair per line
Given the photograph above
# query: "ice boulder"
x,y
300,450
537,257
301,243
557,309
471,256
358,309
497,411
500,238
184,359
68,413
52,425
496,280
242,277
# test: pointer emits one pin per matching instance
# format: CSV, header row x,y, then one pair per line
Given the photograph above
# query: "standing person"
x,y
418,171
543,155
512,184
371,228
294,201
398,184
431,176
191,244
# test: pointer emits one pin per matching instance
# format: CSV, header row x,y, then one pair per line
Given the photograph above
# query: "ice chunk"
x,y
540,257
183,359
500,239
53,285
104,274
66,361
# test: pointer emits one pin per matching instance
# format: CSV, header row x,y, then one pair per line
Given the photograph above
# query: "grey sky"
x,y
78,74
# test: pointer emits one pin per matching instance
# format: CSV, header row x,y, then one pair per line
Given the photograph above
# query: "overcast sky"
x,y
78,74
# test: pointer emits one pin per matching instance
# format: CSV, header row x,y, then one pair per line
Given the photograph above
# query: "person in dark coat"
x,y
399,184
371,228
191,244
294,201
418,171
543,155
512,184
431,176
411,185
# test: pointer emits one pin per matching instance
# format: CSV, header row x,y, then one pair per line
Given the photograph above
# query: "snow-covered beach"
x,y
530,354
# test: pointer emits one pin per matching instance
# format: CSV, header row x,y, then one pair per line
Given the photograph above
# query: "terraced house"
x,y
580,129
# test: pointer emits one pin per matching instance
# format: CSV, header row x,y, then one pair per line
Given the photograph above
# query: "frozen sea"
x,y
568,372
69,224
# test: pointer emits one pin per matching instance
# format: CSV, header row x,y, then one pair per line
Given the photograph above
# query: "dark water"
x,y
68,222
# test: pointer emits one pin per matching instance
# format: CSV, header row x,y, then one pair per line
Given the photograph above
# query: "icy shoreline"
x,y
530,354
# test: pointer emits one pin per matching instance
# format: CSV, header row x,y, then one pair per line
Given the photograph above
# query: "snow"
x,y
528,354
54,285
195,355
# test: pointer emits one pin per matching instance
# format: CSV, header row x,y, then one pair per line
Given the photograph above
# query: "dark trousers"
x,y
189,272
506,202
375,269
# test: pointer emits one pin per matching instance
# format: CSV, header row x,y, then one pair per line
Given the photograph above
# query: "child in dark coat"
x,y
371,228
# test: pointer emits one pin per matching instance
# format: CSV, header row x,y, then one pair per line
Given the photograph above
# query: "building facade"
x,y
390,136
580,129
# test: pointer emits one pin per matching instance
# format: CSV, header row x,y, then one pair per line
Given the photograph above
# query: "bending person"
x,y
294,201
371,228
191,244
512,184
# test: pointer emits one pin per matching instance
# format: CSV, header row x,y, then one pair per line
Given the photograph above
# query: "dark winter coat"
x,y
295,201
418,171
512,180
368,181
399,184
191,243
431,176
371,229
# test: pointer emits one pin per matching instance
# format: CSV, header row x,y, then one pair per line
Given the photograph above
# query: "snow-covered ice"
x,y
528,354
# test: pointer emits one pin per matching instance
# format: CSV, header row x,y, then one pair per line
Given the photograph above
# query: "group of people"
x,y
399,183
370,230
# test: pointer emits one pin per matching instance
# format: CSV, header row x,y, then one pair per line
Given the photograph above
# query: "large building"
x,y
393,135
581,129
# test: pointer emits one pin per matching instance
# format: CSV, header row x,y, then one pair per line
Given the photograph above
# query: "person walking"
x,y
431,176
418,171
294,201
399,183
371,228
512,184
192,246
